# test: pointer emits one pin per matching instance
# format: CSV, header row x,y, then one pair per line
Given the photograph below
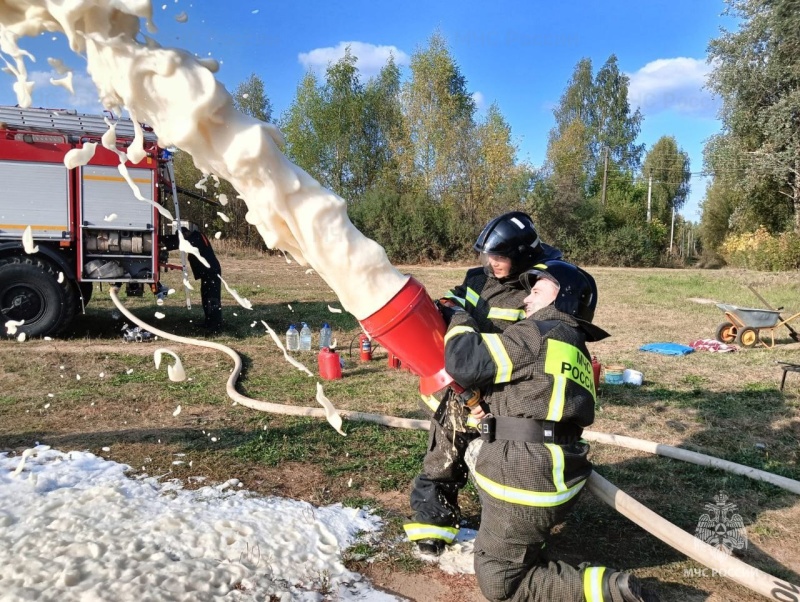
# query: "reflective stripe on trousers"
x,y
417,531
593,584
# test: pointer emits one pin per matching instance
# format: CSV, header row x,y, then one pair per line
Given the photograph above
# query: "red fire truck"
x,y
86,222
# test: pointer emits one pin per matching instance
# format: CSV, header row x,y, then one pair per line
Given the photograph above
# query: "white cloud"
x,y
371,58
480,100
676,84
85,99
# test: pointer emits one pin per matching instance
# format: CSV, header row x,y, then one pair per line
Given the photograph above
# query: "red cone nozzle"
x,y
410,327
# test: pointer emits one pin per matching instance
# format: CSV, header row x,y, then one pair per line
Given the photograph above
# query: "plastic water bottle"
x,y
305,338
325,336
292,339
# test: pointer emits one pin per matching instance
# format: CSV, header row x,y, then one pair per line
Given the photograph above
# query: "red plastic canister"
x,y
329,366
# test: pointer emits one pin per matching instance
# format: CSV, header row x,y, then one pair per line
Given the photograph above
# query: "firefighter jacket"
x,y
538,368
494,305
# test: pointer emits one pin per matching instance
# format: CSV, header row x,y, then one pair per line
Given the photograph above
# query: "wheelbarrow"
x,y
744,325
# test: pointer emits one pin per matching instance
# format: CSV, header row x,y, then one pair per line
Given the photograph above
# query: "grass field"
x,y
726,405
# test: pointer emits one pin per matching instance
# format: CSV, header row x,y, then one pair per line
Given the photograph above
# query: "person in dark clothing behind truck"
x,y
210,284
530,464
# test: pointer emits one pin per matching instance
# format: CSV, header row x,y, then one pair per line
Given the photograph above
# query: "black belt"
x,y
529,430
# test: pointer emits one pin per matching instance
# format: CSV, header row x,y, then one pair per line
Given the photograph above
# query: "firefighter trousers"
x,y
511,562
211,295
434,493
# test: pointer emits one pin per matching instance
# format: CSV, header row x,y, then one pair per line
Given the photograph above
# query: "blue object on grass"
x,y
667,348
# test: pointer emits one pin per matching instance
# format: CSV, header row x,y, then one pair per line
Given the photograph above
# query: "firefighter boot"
x,y
431,547
630,589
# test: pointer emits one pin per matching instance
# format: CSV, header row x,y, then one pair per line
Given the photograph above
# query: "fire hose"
x,y
726,566
265,406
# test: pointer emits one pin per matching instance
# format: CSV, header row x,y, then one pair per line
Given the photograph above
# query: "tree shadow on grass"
x,y
99,321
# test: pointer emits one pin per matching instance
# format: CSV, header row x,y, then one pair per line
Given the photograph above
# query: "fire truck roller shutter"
x,y
30,291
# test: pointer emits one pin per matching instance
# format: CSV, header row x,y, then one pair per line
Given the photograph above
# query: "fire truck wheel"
x,y
30,291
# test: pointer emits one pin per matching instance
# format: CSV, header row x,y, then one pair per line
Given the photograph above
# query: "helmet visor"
x,y
496,265
529,278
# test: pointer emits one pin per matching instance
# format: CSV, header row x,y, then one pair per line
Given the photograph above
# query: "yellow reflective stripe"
x,y
472,296
416,531
558,466
500,357
457,330
430,401
460,300
557,399
593,584
511,315
524,497
569,361
472,421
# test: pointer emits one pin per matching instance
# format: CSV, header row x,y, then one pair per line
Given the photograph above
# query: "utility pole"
x,y
605,178
649,196
672,230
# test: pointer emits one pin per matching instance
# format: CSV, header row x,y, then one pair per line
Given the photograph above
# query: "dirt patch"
x,y
702,301
428,585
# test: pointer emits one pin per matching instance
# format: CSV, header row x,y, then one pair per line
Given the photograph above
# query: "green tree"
x,y
609,127
614,126
300,125
342,131
668,165
438,117
383,127
251,99
756,73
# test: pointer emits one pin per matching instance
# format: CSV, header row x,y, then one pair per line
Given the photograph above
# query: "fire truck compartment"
x,y
105,192
36,194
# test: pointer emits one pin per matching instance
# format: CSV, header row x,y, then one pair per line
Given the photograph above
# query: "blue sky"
x,y
518,54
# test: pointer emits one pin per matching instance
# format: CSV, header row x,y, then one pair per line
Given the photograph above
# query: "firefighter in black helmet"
x,y
493,295
530,464
513,237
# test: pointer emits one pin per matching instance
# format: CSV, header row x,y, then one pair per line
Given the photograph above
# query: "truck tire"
x,y
30,291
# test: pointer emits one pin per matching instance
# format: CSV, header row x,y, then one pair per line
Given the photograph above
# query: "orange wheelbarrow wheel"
x,y
747,337
726,333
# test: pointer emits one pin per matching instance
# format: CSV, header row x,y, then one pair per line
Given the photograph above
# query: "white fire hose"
x,y
265,406
725,565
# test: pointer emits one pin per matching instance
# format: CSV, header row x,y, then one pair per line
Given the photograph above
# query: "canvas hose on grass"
x,y
724,565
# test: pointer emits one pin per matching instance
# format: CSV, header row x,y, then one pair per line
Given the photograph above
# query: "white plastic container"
x,y
632,377
292,339
325,336
305,338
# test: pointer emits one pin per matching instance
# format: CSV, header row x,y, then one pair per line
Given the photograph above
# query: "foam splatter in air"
x,y
286,355
177,94
240,300
27,241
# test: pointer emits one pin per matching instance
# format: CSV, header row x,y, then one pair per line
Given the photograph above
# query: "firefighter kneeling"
x,y
530,464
